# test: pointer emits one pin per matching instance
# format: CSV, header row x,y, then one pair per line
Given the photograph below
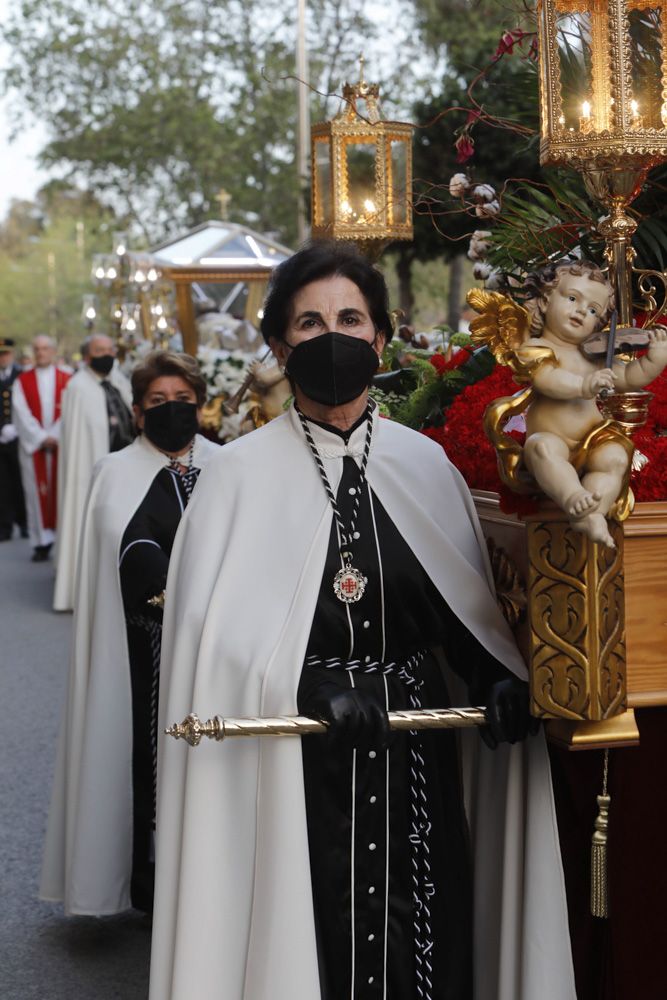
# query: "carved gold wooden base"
x,y
572,620
576,618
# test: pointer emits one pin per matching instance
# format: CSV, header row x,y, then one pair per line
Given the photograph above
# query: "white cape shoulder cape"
x,y
84,440
233,908
88,849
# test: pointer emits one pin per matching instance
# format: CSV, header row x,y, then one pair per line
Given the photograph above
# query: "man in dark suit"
x,y
12,504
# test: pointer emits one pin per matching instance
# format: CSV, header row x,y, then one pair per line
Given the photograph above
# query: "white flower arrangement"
x,y
224,371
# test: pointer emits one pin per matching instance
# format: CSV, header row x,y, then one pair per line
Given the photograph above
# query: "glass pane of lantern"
x,y
399,181
360,203
323,171
645,29
574,33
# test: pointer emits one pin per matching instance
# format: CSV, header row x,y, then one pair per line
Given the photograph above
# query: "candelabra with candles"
x,y
133,300
362,173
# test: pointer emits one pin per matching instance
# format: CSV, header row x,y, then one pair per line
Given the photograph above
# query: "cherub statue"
x,y
579,459
270,387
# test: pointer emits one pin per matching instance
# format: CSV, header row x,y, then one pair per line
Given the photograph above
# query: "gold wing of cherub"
x,y
502,326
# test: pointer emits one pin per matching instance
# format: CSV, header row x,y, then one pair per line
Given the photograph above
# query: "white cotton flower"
x,y
493,280
481,270
487,209
458,185
482,239
484,192
479,244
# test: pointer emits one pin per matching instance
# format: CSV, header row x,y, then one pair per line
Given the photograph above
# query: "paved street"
x,y
43,954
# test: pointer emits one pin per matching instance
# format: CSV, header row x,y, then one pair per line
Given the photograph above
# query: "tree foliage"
x,y
45,248
156,106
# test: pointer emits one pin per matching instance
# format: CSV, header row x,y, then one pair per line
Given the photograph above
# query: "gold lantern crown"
x,y
362,173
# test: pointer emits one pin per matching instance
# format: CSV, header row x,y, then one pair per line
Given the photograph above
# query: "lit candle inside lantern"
x,y
369,205
345,207
586,122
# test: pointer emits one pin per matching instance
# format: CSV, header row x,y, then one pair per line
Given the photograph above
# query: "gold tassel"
x,y
599,886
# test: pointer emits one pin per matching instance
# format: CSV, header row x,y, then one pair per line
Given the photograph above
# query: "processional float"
x,y
592,634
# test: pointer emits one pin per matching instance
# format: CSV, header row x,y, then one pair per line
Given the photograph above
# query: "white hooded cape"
x,y
84,440
88,849
233,909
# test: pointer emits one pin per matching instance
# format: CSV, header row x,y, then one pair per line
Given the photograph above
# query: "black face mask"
x,y
103,364
333,368
171,426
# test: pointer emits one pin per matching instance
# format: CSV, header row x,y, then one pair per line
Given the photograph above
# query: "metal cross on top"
x,y
224,197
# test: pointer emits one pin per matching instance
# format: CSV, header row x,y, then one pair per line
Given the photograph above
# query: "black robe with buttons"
x,y
359,804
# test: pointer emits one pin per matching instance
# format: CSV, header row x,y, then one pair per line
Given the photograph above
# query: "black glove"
x,y
509,720
355,717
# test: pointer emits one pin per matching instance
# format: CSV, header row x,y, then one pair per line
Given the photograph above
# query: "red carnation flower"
x,y
439,362
442,364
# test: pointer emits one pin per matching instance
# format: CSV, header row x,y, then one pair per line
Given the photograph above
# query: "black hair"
x,y
317,260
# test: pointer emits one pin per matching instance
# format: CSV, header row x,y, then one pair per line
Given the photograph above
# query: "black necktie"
x,y
121,432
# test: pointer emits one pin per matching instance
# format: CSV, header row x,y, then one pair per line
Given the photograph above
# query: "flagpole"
x,y
303,125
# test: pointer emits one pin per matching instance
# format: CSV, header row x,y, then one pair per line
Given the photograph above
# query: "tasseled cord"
x,y
599,885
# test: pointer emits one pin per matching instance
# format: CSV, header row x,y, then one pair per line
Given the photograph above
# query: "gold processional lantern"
x,y
603,110
362,173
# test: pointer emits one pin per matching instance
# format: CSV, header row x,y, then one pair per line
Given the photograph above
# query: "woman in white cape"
x,y
319,563
97,850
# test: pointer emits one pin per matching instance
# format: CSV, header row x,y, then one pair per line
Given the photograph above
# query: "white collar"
x,y
331,445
